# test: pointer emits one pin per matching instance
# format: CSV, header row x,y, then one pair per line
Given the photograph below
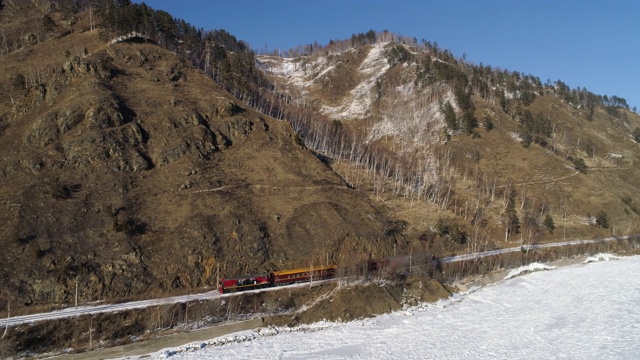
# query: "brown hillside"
x,y
128,171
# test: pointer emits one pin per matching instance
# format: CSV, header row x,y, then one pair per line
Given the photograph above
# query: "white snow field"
x,y
586,311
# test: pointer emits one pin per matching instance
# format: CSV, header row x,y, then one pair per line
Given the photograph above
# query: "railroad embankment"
x,y
337,300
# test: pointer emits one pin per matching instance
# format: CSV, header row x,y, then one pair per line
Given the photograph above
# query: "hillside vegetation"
x,y
152,164
130,173
143,157
471,157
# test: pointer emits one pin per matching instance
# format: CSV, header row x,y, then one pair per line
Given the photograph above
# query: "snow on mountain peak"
x,y
305,72
358,103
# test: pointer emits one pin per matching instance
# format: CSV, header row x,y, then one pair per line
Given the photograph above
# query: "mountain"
x,y
141,156
478,156
130,173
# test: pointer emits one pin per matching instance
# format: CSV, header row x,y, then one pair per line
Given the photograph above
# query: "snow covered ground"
x,y
586,311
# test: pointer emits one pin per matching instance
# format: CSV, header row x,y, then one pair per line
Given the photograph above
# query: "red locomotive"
x,y
247,282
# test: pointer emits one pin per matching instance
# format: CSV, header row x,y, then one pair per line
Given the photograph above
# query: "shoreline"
x,y
147,347
152,345
479,281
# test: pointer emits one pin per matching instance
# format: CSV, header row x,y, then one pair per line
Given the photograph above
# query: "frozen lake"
x,y
586,311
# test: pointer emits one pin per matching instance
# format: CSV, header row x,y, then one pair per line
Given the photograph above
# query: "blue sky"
x,y
585,43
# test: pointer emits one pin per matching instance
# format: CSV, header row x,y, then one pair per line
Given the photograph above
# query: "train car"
x,y
286,277
241,283
391,264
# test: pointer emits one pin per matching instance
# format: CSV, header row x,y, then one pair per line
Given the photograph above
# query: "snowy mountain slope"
x,y
382,108
321,75
359,100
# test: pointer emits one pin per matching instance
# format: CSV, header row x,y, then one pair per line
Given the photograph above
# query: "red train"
x,y
276,278
394,264
286,277
247,282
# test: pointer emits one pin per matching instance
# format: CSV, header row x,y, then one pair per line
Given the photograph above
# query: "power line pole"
x,y
6,328
311,273
410,253
91,333
217,274
91,18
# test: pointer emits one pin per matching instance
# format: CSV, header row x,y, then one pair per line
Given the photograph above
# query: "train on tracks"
x,y
288,277
276,278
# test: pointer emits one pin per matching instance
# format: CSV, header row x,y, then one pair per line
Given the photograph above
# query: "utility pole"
x,y
91,18
410,253
76,293
207,58
91,333
217,274
6,328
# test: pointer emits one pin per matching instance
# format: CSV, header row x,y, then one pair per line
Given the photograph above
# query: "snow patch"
x,y
416,125
528,269
237,338
601,257
299,72
199,345
358,102
515,136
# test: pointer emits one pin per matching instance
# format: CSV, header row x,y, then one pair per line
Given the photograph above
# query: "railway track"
x,y
106,308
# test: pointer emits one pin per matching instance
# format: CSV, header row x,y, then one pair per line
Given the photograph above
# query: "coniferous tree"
x,y
602,219
47,24
636,134
513,222
469,122
488,123
465,103
449,116
579,164
549,224
525,135
502,100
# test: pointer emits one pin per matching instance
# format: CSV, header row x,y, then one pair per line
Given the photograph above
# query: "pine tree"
x,y
602,219
450,116
513,222
636,134
488,123
580,165
47,24
19,81
549,224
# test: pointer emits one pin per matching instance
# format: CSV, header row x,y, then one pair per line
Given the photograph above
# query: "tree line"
x,y
229,61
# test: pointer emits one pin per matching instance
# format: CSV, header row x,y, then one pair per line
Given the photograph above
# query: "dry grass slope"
x,y
130,172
